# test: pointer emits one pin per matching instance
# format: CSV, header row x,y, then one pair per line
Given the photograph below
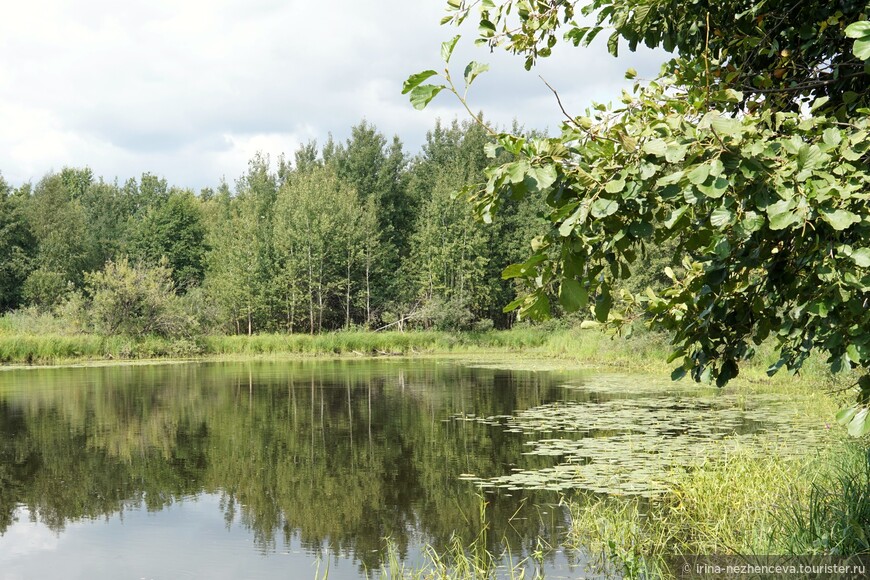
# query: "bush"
x,y
136,300
448,315
45,288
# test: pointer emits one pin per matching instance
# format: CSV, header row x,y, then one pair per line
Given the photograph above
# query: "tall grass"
x,y
750,504
834,517
590,346
372,343
459,561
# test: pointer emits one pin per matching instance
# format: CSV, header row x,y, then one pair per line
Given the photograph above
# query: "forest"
x,y
356,234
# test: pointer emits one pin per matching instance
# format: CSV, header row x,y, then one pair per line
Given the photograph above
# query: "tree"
x,y
173,228
239,267
16,246
66,248
749,153
108,210
318,242
449,255
376,169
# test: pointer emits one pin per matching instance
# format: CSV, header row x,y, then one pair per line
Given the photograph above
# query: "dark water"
x,y
262,470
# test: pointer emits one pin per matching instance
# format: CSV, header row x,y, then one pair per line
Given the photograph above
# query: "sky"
x,y
190,90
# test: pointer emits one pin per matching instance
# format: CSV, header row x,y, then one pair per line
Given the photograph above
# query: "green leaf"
x,y
819,103
613,44
809,156
859,29
473,70
655,147
819,308
486,28
614,186
699,174
752,222
572,295
603,303
861,257
447,48
675,216
783,220
629,142
858,426
831,137
844,416
782,214
728,371
726,126
543,176
513,271
577,218
416,80
539,308
604,207
840,219
422,95
675,153
721,217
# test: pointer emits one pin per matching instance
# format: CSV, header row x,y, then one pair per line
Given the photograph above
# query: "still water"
x,y
271,469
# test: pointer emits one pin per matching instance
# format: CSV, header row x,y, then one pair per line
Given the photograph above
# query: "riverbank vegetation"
x,y
359,234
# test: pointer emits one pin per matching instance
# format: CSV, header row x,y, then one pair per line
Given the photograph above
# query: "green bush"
x,y
138,301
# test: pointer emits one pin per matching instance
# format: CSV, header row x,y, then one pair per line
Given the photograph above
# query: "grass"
x,y
460,561
748,505
834,517
30,338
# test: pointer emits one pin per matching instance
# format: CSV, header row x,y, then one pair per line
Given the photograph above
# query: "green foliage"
x,y
45,288
240,262
136,300
451,315
17,247
748,155
172,228
65,245
347,235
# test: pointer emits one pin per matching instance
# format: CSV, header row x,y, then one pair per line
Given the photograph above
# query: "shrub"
x,y
137,300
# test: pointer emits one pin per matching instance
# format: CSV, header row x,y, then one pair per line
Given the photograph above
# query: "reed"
x,y
751,504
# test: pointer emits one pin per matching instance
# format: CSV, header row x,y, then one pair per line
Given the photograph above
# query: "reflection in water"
x,y
315,456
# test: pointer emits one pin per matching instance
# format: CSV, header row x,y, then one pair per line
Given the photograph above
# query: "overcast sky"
x,y
191,89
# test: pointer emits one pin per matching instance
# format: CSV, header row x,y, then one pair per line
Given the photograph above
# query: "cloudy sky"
x,y
191,89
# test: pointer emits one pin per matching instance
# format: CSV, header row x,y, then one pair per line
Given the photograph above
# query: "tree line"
x,y
357,233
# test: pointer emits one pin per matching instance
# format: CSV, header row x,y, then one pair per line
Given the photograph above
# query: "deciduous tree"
x,y
749,153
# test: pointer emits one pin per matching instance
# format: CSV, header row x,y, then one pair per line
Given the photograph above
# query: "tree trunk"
x,y
310,293
347,297
368,292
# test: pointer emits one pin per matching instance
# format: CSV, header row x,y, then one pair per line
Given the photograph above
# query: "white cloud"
x,y
189,89
26,539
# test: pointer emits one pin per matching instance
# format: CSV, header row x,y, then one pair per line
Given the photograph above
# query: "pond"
x,y
278,469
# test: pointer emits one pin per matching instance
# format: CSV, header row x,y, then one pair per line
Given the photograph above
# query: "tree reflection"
x,y
335,454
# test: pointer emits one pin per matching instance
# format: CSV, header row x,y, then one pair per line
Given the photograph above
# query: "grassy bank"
x,y
49,346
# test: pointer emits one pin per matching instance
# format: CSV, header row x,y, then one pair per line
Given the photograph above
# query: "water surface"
x,y
269,469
